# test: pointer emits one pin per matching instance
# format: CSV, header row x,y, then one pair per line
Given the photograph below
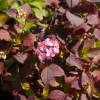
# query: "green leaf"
x,y
27,1
38,3
97,44
29,92
28,26
84,52
3,5
15,5
38,13
3,19
16,41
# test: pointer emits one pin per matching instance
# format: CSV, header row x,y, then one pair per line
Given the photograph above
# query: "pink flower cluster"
x,y
47,49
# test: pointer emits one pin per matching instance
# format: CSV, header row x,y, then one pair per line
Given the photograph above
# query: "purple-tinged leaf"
x,y
88,43
70,79
87,79
75,20
12,13
96,75
21,57
75,84
83,26
96,59
93,52
97,33
62,10
19,27
83,97
73,60
22,97
90,90
93,19
26,8
57,95
50,72
93,0
29,40
72,3
4,35
53,83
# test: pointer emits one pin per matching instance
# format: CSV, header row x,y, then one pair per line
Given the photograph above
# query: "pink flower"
x,y
47,49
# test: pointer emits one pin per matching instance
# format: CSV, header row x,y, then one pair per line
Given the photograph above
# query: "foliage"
x,y
50,49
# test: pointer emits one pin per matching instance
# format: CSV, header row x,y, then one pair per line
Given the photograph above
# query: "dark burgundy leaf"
x,y
50,2
75,20
96,75
50,72
4,35
90,8
72,3
29,40
75,61
57,95
75,47
21,57
1,68
97,33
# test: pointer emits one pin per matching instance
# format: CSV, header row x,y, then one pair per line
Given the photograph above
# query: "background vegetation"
x,y
50,49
